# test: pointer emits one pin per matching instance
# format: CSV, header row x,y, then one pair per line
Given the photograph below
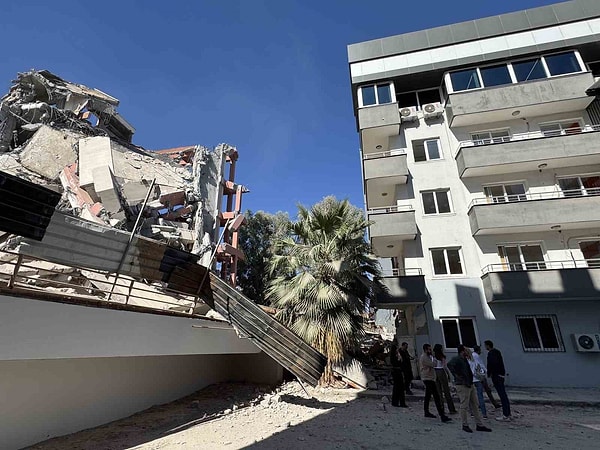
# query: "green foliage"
x,y
255,239
324,276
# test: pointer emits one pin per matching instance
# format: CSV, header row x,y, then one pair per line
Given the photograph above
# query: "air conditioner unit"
x,y
408,114
589,342
431,110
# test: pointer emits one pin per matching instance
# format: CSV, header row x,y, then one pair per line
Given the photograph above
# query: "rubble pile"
x,y
70,138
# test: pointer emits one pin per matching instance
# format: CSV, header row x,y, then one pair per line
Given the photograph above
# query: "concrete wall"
x,y
403,289
391,166
379,115
42,399
392,224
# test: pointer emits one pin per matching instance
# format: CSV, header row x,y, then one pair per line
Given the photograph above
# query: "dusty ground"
x,y
234,416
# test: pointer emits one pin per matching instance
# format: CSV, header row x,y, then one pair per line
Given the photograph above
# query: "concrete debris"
x,y
71,138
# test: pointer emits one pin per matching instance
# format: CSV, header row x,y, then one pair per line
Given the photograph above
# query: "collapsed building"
x,y
88,218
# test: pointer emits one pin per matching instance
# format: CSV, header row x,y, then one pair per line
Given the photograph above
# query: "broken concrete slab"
x,y
106,189
49,151
94,152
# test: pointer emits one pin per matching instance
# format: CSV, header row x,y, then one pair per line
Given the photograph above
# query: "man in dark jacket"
x,y
463,378
497,372
406,367
398,398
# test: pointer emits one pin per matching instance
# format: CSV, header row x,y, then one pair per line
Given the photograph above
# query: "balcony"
x,y
527,151
382,172
391,226
405,287
542,281
525,213
377,124
533,98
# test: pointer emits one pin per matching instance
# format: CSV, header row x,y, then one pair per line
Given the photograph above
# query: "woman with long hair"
x,y
441,376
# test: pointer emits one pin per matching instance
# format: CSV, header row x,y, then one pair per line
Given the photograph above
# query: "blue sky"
x,y
270,77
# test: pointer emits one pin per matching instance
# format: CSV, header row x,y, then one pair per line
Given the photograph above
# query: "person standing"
x,y
463,377
398,398
484,383
441,377
478,375
427,365
406,367
497,372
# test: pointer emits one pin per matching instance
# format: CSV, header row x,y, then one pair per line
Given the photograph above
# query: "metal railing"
x,y
526,136
512,198
390,209
542,265
24,274
405,272
393,152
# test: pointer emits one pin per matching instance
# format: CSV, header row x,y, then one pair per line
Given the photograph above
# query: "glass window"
x,y
368,95
591,252
426,149
561,128
581,185
436,202
495,75
505,193
522,257
446,261
459,330
529,70
384,94
465,79
562,63
490,137
540,333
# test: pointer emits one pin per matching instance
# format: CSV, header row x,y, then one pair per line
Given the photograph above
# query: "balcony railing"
x,y
511,198
406,272
394,152
542,265
390,209
526,136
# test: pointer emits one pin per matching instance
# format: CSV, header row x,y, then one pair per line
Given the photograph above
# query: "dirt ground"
x,y
235,416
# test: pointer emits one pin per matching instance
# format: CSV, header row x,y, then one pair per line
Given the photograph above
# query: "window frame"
x,y
582,188
446,262
509,64
419,105
505,195
592,263
382,83
541,265
491,139
555,326
456,320
427,157
563,130
435,201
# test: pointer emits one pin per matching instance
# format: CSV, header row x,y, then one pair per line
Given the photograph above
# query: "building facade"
x,y
480,151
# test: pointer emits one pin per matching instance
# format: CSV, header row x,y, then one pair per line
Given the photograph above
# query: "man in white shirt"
x,y
486,387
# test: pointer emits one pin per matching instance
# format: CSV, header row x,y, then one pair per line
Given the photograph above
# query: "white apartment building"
x,y
480,149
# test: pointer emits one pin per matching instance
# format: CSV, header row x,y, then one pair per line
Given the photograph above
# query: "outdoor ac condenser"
x,y
588,342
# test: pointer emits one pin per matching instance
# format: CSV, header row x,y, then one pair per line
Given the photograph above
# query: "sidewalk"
x,y
518,395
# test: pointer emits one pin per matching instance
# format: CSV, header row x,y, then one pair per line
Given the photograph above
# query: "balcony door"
x,y
522,256
591,252
503,193
579,186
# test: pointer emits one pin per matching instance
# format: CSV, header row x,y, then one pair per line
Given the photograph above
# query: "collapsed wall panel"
x,y
49,151
94,152
73,241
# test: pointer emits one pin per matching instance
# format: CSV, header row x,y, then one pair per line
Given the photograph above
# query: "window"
x,y
495,75
591,252
580,185
561,128
503,193
562,63
426,150
407,99
436,202
446,261
429,96
540,333
532,69
459,330
377,94
490,137
522,256
465,80
594,68
418,98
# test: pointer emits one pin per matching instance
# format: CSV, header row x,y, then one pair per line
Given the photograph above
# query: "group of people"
x,y
470,378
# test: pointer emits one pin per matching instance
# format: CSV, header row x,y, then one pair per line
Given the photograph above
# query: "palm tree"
x,y
323,278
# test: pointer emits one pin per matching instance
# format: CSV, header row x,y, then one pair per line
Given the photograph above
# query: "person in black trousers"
x,y
496,370
406,367
428,376
398,397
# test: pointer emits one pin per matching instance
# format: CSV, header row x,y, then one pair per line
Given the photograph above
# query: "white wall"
x,y
47,398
